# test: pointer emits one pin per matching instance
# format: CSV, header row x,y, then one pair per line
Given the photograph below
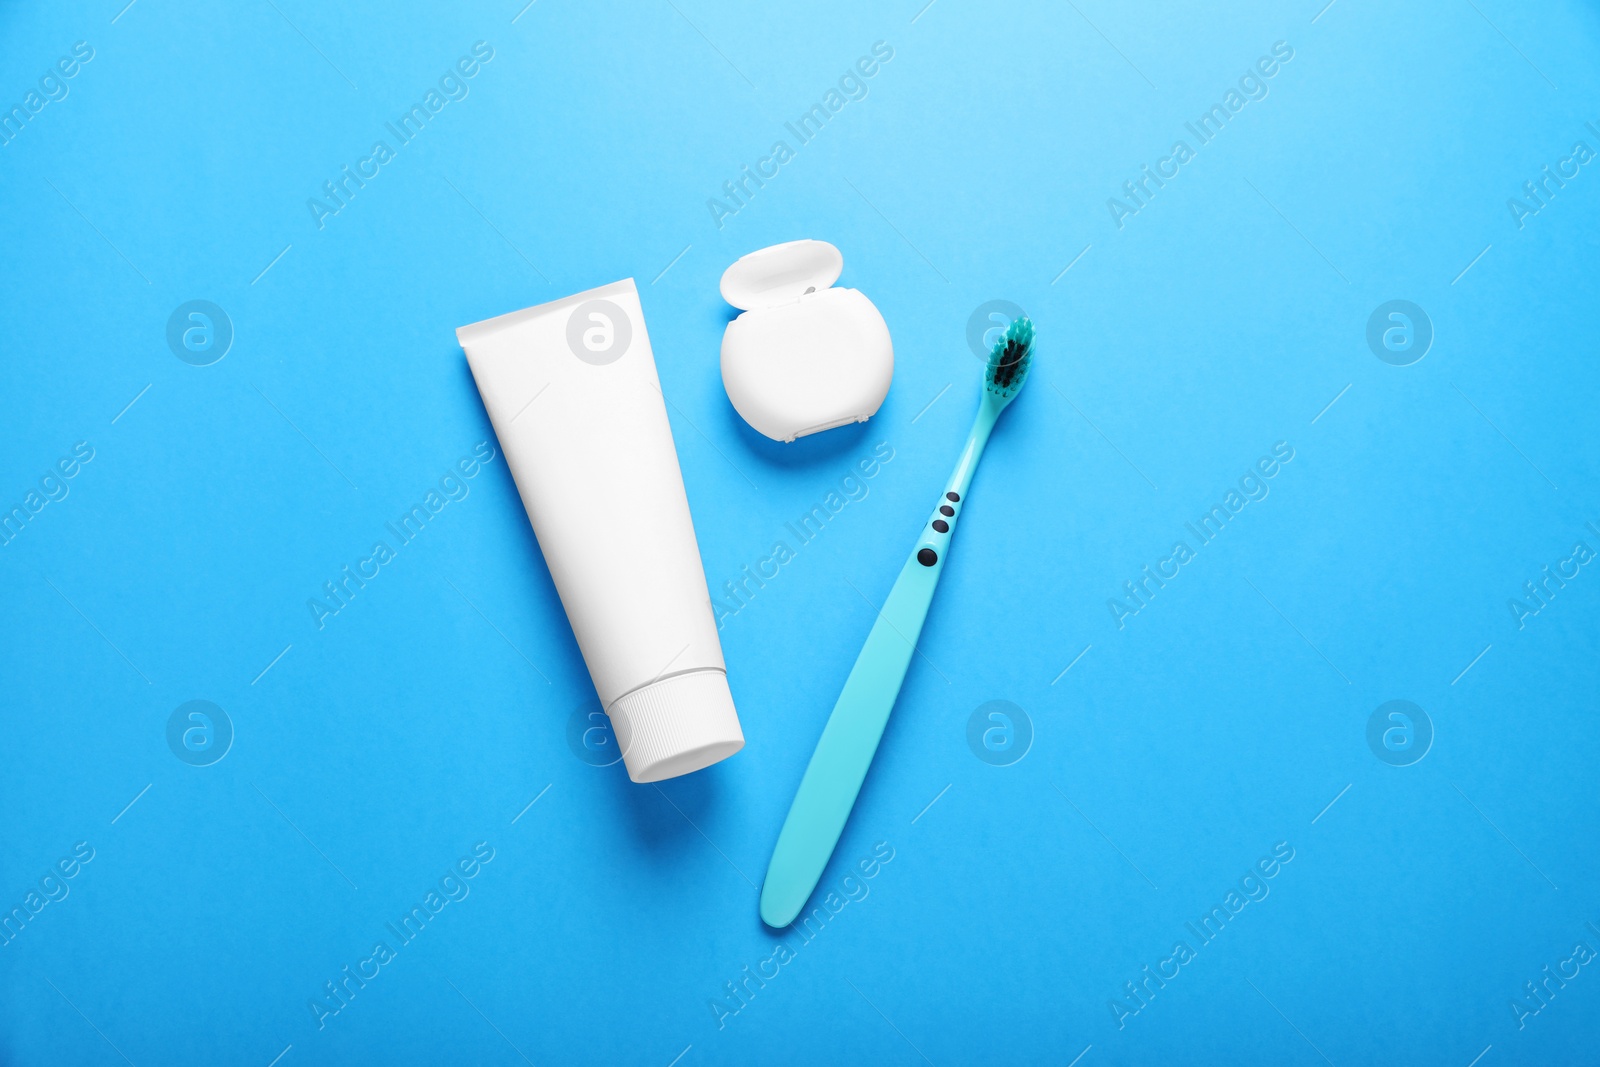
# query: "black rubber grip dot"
x,y
946,510
953,496
941,525
927,557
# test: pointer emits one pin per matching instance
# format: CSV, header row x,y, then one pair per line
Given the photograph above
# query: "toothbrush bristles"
x,y
1010,360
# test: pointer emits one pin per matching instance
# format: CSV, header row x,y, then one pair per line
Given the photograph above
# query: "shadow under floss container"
x,y
572,391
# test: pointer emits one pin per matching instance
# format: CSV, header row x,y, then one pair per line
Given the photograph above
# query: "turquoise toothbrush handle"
x,y
849,741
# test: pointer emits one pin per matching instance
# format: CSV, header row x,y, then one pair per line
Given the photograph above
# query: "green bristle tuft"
x,y
1009,362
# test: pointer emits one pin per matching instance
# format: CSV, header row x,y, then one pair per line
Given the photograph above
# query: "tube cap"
x,y
677,725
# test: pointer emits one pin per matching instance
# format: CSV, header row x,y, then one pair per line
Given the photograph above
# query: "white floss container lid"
x,y
804,356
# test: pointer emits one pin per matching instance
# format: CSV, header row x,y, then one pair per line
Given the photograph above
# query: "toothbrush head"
x,y
1009,362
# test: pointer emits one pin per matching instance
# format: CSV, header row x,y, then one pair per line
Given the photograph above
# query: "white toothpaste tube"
x,y
572,391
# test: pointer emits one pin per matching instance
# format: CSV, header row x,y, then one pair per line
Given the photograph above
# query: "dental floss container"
x,y
804,357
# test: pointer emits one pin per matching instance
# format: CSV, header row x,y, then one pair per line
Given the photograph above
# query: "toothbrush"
x,y
850,739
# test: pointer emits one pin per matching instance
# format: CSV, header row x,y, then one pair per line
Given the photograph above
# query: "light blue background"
x,y
1176,752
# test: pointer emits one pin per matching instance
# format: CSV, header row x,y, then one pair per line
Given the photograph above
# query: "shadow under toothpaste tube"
x,y
572,391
